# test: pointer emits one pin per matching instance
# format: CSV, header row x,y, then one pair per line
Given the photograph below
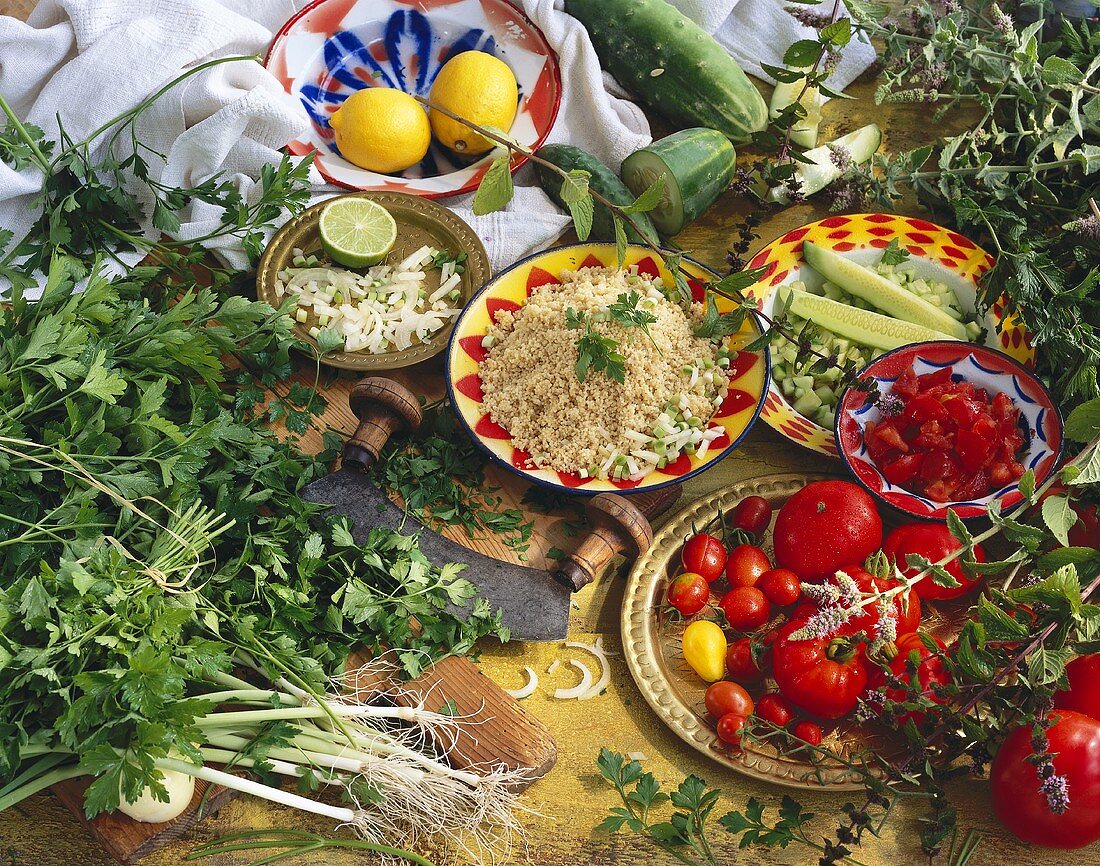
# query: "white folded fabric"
x,y
88,60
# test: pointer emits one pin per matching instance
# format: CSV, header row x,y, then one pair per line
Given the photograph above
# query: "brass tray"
x,y
675,691
419,221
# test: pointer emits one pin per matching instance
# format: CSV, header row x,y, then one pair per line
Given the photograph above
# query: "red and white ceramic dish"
x,y
984,367
332,48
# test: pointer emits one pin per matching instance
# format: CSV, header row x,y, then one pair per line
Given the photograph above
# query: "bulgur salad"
x,y
645,401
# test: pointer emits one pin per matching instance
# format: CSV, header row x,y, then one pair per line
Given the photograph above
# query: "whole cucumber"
x,y
602,179
697,166
672,65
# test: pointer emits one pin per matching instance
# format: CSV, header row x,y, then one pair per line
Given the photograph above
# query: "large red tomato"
x,y
826,525
1014,784
1084,687
933,541
816,674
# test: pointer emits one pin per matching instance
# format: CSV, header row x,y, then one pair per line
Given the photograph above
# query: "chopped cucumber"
x,y
821,171
863,326
876,289
807,403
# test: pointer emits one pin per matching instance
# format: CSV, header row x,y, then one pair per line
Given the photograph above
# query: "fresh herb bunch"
x,y
152,537
1023,179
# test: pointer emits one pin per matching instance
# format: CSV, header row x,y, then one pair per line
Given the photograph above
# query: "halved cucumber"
x,y
821,170
875,289
697,165
862,326
804,132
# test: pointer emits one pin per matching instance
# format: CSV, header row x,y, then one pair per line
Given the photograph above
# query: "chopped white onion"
x,y
636,756
528,689
580,688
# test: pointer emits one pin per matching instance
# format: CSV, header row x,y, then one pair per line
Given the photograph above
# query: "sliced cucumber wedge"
x,y
804,132
875,289
861,326
822,171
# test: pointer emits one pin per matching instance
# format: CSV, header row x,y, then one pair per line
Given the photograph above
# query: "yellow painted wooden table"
x,y
568,803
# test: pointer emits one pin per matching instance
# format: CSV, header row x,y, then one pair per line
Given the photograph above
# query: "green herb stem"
x,y
21,130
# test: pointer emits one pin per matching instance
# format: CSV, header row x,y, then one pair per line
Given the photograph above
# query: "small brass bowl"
x,y
419,221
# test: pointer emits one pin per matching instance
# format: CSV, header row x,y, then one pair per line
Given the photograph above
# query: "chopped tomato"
x,y
973,449
963,410
906,384
903,469
950,441
929,380
889,435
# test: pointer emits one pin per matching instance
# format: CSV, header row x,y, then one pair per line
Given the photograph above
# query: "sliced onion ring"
x,y
528,689
605,667
580,688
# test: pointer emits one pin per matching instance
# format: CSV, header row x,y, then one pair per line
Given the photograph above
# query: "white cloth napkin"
x,y
87,60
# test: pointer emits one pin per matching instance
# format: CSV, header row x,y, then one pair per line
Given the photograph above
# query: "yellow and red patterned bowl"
x,y
936,252
510,289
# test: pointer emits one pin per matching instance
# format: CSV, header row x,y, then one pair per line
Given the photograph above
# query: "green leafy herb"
x,y
893,254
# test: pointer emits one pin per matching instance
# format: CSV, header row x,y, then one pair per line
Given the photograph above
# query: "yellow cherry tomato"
x,y
705,649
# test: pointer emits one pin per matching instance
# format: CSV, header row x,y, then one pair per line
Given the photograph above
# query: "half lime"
x,y
357,232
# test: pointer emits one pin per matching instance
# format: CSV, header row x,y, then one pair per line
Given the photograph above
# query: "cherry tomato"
x,y
781,586
808,731
746,608
1084,686
704,554
772,707
933,541
688,593
745,564
818,674
1014,783
930,671
729,728
825,526
752,514
740,663
726,697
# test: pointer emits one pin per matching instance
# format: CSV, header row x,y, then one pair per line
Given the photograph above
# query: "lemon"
x,y
477,87
356,232
382,129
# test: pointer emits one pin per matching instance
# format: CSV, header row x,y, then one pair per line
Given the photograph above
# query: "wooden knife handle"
x,y
617,524
383,407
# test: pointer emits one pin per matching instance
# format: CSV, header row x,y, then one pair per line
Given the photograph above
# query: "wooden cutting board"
x,y
493,730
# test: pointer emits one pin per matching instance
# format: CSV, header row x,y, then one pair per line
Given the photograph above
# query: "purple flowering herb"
x,y
1055,788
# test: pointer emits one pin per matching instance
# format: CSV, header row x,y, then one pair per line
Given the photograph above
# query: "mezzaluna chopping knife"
x,y
534,603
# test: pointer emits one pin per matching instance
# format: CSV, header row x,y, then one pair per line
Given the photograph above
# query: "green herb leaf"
x,y
495,190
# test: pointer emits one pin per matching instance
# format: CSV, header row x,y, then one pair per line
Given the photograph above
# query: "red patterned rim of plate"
x,y
982,365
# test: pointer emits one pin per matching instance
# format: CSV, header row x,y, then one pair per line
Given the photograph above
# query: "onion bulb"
x,y
149,810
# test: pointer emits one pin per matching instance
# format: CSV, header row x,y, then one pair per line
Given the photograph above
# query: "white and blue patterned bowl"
x,y
985,368
332,48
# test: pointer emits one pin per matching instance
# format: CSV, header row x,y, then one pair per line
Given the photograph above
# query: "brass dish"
x,y
419,221
675,692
